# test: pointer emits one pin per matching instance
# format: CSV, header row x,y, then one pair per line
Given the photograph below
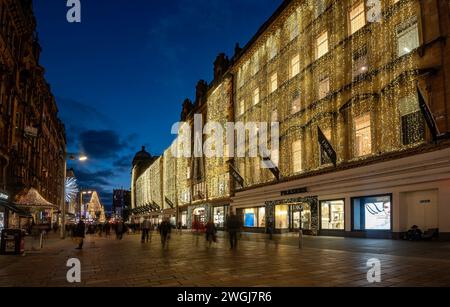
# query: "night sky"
x,y
121,75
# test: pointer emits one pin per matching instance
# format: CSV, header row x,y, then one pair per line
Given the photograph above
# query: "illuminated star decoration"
x,y
71,189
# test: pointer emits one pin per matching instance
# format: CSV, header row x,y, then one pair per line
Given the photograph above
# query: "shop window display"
x,y
219,217
2,221
250,218
372,213
332,215
282,217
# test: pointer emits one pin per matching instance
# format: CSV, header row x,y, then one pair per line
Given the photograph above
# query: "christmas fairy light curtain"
x,y
328,66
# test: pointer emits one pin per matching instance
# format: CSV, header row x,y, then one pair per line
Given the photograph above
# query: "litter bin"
x,y
12,242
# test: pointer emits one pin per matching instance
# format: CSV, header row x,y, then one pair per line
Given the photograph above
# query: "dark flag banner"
x,y
429,118
326,146
156,206
235,174
272,167
169,203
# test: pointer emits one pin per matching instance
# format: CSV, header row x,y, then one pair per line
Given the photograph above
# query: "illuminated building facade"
x,y
32,138
327,66
350,89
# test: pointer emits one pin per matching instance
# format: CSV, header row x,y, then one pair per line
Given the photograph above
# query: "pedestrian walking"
x,y
165,229
233,227
120,230
146,226
80,232
270,229
210,231
180,228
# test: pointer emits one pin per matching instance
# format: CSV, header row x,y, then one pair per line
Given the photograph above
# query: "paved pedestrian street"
x,y
189,262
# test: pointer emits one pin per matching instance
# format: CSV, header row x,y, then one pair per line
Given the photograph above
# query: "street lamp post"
x,y
72,157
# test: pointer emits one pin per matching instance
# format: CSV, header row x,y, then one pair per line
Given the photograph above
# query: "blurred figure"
x,y
146,226
119,230
233,227
165,229
211,231
180,228
80,231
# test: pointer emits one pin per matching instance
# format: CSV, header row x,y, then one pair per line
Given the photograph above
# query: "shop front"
x,y
198,216
332,217
253,219
291,215
220,214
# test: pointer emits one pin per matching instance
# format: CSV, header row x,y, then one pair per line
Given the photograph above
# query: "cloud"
x,y
101,144
124,162
93,179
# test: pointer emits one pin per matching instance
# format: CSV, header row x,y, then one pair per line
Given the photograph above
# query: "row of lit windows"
x,y
407,38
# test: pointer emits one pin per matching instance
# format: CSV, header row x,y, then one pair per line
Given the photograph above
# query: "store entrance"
x,y
300,217
199,218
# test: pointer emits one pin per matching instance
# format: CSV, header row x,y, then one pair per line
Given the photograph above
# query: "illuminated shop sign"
x,y
294,191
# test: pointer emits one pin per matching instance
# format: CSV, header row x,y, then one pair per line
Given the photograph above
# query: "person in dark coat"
x,y
233,228
210,231
80,232
165,229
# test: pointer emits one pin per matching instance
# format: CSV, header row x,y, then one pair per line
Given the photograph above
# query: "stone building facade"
x,y
32,137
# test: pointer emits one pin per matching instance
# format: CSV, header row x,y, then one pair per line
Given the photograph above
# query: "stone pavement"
x,y
257,262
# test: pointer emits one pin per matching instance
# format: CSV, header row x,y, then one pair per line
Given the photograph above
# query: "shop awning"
x,y
13,208
31,199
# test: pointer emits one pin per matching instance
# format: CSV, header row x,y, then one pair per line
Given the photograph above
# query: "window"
x,y
273,83
219,216
360,63
324,87
282,217
332,215
412,124
295,65
296,103
254,217
363,135
372,213
324,159
357,18
297,156
262,217
322,44
293,26
256,96
407,37
188,172
241,107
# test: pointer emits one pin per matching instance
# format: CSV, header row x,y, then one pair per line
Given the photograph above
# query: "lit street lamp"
x,y
72,157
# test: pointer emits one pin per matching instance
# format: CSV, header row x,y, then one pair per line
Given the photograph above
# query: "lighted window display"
x,y
372,213
250,218
219,216
282,217
200,216
357,17
262,217
407,36
184,219
363,135
332,215
322,44
306,217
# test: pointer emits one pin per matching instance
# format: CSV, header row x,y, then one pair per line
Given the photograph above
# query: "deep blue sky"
x,y
121,75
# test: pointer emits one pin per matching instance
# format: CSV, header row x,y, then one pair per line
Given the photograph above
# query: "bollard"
x,y
300,239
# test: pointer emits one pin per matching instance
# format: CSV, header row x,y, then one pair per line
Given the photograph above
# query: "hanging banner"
x,y
169,203
272,167
428,115
235,174
326,146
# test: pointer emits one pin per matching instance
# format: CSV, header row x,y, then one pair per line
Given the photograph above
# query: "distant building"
x,y
121,201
